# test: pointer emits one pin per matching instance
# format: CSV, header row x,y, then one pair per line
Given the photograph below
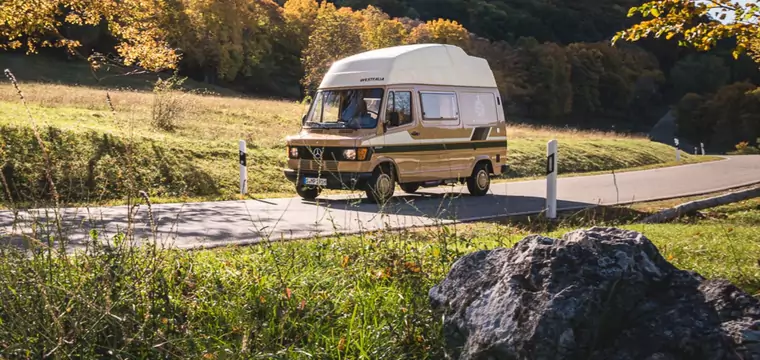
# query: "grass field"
x,y
356,297
100,155
359,297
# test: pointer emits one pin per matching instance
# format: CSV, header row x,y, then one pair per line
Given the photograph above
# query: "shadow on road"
x,y
447,206
223,222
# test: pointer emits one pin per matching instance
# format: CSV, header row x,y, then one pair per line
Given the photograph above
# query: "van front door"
x,y
399,123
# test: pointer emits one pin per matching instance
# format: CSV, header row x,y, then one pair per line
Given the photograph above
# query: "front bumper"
x,y
335,180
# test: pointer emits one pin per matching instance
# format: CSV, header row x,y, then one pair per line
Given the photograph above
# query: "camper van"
x,y
413,116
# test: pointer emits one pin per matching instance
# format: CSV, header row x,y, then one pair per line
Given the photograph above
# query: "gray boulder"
x,y
601,293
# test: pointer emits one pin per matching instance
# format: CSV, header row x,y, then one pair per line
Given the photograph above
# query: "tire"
x,y
410,188
308,193
480,181
381,186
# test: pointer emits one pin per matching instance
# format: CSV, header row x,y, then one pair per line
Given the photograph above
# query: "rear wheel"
x,y
410,188
480,181
308,193
382,185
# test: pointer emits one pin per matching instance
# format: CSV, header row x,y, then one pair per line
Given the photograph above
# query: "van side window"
x,y
399,109
439,106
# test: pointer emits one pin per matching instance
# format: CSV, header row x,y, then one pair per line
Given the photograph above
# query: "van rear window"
x,y
439,106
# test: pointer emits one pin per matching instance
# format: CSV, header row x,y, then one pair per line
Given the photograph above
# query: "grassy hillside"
x,y
99,155
347,297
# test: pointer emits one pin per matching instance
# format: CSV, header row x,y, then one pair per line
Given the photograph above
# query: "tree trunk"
x,y
675,212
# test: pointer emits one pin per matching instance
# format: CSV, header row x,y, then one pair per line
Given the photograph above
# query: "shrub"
x,y
743,148
169,103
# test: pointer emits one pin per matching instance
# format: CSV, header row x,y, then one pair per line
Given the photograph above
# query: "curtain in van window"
x,y
438,106
478,108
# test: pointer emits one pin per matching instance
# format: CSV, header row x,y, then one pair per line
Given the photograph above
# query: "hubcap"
x,y
384,185
482,179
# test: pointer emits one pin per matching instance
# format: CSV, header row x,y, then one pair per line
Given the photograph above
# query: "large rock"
x,y
600,293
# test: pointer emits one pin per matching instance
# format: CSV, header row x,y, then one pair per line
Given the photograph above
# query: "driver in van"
x,y
356,113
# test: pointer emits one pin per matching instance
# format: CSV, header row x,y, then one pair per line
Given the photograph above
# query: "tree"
x,y
695,24
586,72
225,38
337,34
134,23
440,31
379,31
723,119
692,124
301,16
548,95
700,74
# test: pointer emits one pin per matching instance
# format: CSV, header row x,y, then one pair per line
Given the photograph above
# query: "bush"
x,y
730,116
169,103
743,148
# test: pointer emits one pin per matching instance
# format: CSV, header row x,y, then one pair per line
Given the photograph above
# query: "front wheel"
x,y
382,185
307,193
480,181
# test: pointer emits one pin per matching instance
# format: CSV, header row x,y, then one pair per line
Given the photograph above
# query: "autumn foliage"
x,y
553,62
142,37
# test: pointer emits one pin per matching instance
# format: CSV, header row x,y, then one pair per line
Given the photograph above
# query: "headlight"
x,y
293,152
349,154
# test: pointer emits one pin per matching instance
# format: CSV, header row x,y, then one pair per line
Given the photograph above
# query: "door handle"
x,y
414,133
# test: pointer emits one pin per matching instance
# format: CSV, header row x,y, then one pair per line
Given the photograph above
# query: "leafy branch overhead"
x,y
699,24
141,40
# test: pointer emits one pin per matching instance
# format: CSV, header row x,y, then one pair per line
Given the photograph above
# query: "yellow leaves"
x,y
345,261
440,31
673,17
412,267
379,31
135,24
342,344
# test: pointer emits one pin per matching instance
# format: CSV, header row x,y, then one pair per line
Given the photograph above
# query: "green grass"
x,y
358,297
199,160
102,157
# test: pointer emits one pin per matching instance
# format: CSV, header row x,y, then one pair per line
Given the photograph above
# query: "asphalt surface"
x,y
211,224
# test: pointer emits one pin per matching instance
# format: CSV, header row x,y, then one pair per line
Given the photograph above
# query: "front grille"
x,y
311,165
328,153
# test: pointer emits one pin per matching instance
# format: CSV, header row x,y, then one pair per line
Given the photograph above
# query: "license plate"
x,y
315,181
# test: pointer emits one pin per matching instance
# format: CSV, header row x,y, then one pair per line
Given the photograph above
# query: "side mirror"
x,y
394,119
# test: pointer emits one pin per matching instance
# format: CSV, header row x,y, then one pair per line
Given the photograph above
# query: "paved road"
x,y
241,222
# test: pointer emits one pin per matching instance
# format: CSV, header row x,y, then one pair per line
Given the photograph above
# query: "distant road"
x,y
243,222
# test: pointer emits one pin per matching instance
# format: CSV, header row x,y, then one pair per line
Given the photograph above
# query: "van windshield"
x,y
355,109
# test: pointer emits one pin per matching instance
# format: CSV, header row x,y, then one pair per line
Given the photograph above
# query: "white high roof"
x,y
427,64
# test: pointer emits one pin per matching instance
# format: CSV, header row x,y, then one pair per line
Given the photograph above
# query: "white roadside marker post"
x,y
702,145
678,151
551,179
243,168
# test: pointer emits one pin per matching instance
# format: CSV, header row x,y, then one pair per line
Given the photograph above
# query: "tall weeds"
x,y
121,296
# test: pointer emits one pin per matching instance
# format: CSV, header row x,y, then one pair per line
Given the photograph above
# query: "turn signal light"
x,y
293,152
361,153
